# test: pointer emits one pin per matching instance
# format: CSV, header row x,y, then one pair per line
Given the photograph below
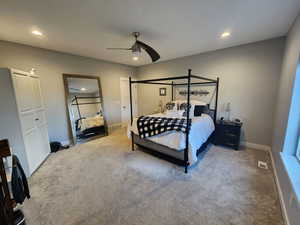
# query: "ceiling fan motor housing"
x,y
138,45
136,48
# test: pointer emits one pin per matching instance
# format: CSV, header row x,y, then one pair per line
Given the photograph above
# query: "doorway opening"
x,y
125,101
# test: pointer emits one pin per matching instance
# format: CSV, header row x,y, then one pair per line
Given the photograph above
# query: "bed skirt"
x,y
164,152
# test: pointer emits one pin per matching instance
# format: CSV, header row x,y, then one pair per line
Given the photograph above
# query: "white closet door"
x,y
27,121
33,119
24,92
36,91
42,128
45,150
33,146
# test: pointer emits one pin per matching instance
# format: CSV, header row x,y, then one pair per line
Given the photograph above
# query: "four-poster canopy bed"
x,y
89,126
160,150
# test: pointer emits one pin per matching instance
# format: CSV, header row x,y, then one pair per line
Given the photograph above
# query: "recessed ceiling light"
x,y
135,58
36,32
225,34
82,89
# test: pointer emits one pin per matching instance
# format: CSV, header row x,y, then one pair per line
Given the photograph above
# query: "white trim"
x,y
125,78
114,126
298,149
279,190
292,168
256,146
125,124
134,98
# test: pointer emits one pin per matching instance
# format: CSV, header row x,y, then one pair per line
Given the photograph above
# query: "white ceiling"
x,y
75,84
175,28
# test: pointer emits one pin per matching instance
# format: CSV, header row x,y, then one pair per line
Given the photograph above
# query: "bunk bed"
x,y
190,125
88,126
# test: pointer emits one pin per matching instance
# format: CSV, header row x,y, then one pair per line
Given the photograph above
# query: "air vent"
x,y
262,165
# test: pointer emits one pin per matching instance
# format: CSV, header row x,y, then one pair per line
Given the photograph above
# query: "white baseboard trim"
x,y
279,190
114,126
256,146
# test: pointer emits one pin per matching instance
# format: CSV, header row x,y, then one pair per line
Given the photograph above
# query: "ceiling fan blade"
x,y
152,53
118,48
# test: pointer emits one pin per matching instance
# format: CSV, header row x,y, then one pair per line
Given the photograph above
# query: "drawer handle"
x,y
231,135
230,144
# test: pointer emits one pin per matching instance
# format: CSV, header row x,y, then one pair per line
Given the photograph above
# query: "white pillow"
x,y
192,109
174,114
196,102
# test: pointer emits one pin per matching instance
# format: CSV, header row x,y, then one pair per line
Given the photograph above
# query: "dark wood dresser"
x,y
228,133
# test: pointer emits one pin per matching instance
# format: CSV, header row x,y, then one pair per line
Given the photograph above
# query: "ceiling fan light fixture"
x,y
137,47
135,55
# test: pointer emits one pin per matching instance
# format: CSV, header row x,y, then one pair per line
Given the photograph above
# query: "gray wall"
x,y
50,66
289,66
249,77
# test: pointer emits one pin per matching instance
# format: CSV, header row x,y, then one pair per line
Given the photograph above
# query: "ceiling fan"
x,y
136,49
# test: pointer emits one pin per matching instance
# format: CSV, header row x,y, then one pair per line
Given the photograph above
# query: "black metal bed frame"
x,y
75,99
88,131
188,78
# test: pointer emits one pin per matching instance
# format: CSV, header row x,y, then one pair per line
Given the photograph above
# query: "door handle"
x,y
37,119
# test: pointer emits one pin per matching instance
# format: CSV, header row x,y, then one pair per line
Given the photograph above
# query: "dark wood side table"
x,y
228,133
6,203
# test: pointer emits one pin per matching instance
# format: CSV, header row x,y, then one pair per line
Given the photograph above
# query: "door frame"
x,y
135,100
72,134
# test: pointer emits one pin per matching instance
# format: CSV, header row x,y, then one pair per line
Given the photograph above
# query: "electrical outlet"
x,y
262,165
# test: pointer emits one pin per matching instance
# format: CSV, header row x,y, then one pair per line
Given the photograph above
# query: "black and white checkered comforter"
x,y
150,126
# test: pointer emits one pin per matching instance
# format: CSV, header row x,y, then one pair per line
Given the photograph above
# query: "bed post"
x,y
186,150
131,113
78,109
172,91
216,103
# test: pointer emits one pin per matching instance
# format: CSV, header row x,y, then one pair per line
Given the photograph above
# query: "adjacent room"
x,y
150,112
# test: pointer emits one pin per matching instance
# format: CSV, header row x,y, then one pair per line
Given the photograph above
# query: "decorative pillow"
x,y
174,114
196,102
184,106
196,107
199,109
170,106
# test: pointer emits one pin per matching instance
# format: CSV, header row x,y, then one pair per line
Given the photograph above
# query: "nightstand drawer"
x,y
231,129
231,135
228,137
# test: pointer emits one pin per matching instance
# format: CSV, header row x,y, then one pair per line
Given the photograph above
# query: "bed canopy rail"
x,y
75,99
188,83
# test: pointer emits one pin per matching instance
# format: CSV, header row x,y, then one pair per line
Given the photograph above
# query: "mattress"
x,y
90,122
201,129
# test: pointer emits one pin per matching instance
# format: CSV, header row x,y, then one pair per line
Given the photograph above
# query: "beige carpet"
x,y
103,182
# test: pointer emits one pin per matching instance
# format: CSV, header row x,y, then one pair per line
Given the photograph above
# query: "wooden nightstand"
x,y
228,134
